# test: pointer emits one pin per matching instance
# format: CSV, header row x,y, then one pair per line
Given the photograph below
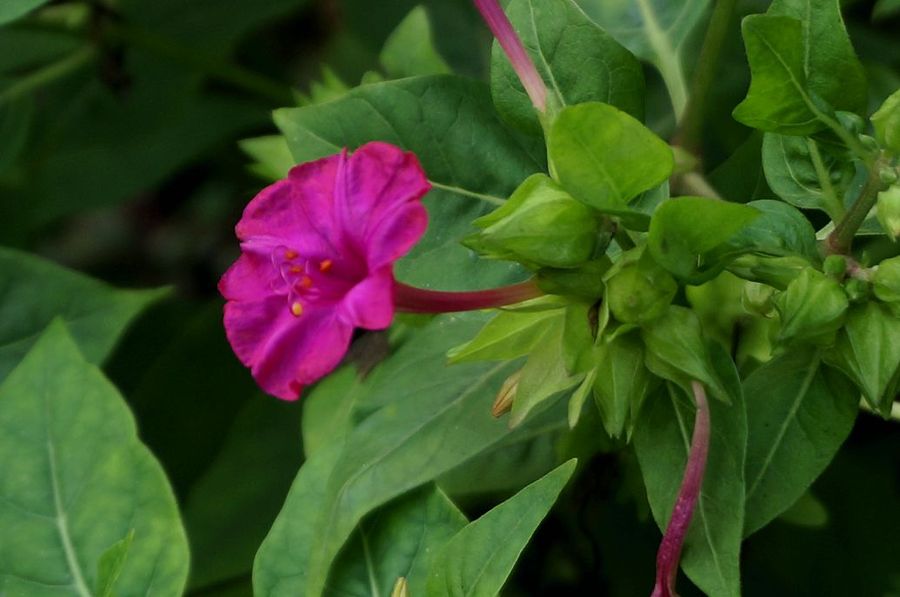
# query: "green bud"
x,y
857,290
812,308
888,211
639,290
540,225
851,122
774,271
835,266
888,175
886,121
886,281
868,142
758,298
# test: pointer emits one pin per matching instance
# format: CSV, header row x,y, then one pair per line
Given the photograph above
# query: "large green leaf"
x,y
77,481
593,149
11,10
401,539
662,438
426,418
478,559
799,54
578,61
798,415
471,159
410,51
655,30
800,171
33,292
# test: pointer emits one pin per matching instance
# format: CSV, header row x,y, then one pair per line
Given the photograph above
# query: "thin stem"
x,y
694,183
691,126
849,139
410,299
48,74
164,47
467,193
509,40
835,205
841,238
669,554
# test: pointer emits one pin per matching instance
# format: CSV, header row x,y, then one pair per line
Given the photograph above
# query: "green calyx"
x,y
639,290
812,308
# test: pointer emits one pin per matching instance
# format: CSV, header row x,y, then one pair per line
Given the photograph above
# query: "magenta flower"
x,y
498,22
318,251
669,554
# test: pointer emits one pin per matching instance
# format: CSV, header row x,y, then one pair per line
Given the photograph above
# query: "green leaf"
x,y
798,415
11,10
540,225
802,173
410,51
226,521
797,51
662,438
543,376
471,159
478,559
110,565
887,123
401,538
16,117
622,382
328,407
423,419
690,236
272,158
655,30
578,61
868,351
592,148
77,480
779,230
885,9
509,335
33,292
676,350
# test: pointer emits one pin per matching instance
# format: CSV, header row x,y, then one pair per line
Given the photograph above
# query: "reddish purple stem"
x,y
521,62
418,300
670,548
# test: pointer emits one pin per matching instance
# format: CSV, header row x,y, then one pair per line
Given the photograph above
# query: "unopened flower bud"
x,y
886,281
758,298
640,291
888,211
886,122
888,175
540,226
857,290
835,266
506,395
812,308
401,588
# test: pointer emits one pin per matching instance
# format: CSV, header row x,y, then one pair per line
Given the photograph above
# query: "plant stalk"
x,y
841,238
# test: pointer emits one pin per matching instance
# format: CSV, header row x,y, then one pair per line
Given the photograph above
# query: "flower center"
x,y
306,280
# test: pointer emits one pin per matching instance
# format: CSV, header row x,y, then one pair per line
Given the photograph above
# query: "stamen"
x,y
325,265
290,254
305,283
297,309
295,269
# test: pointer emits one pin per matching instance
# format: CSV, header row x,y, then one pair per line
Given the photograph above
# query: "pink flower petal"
x,y
297,212
393,237
370,304
248,279
376,184
250,324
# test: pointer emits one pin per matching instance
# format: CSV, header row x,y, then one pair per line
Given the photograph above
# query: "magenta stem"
x,y
418,300
669,554
521,62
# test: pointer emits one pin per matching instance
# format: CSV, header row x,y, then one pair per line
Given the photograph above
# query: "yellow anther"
x,y
297,309
290,254
325,265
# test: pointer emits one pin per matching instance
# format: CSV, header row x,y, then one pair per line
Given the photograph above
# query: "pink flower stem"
x,y
419,300
496,19
669,554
